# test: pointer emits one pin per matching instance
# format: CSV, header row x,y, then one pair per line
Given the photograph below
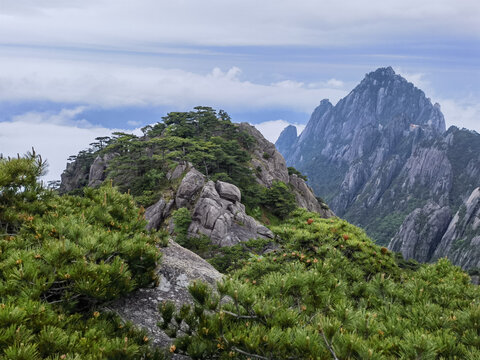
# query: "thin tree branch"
x,y
329,347
240,316
248,354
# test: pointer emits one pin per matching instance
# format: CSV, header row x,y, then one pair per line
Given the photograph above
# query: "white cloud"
x,y
144,24
418,79
133,123
464,113
271,129
55,136
111,85
335,83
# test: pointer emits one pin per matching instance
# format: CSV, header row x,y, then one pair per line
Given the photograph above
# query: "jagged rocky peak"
x,y
286,139
391,93
382,159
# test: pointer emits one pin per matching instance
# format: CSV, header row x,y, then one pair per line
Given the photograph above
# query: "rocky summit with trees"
x,y
270,273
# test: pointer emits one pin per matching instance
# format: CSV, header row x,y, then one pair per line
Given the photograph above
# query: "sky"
x,y
74,70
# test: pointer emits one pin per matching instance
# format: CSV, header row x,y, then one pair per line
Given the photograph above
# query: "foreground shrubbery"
x,y
331,293
60,259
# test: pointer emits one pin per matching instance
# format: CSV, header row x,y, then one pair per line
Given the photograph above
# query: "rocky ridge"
x,y
382,159
273,167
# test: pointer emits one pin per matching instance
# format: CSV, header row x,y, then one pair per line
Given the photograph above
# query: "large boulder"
x,y
215,207
228,191
191,184
179,267
219,215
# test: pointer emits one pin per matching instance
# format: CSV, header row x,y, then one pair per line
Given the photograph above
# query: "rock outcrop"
x,y
382,160
97,170
266,159
189,187
179,267
461,241
216,208
221,216
421,232
270,166
75,176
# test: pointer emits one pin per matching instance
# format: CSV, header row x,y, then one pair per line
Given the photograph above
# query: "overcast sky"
x,y
74,70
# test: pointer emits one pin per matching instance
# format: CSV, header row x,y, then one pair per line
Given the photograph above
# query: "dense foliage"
x,y
278,199
61,258
329,292
204,137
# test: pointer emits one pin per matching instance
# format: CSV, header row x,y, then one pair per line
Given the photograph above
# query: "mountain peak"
x,y
381,73
286,139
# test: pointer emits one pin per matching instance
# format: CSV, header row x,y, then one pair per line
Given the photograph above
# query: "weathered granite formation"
x,y
178,268
461,241
75,176
421,232
189,187
97,170
216,208
221,216
266,158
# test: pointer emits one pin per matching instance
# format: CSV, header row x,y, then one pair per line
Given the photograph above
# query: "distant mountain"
x,y
382,159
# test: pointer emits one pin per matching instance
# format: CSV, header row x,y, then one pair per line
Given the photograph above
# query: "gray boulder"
x,y
157,213
219,215
178,268
191,184
228,191
178,171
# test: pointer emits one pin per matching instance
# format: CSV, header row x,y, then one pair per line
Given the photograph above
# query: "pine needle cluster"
x,y
330,293
61,259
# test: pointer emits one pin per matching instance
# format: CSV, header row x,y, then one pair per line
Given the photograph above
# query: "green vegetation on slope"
x,y
329,292
61,258
204,137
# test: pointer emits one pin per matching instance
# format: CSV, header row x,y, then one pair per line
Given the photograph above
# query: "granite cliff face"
x,y
382,159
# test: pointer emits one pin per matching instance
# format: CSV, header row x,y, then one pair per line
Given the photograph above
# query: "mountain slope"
x,y
219,171
382,160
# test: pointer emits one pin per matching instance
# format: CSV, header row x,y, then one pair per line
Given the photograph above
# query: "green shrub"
x,y
61,258
182,220
279,199
292,170
330,292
